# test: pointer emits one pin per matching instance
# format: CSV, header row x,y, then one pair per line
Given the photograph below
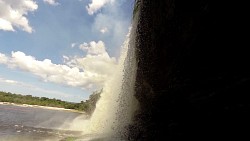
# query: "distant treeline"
x,y
87,106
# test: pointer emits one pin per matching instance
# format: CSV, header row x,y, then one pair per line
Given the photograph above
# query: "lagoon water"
x,y
34,124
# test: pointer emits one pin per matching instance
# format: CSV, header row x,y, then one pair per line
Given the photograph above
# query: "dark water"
x,y
28,124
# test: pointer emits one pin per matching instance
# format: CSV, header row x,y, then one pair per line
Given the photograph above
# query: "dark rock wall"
x,y
193,70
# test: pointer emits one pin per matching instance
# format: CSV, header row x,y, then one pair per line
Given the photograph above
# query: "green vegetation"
x,y
88,106
91,102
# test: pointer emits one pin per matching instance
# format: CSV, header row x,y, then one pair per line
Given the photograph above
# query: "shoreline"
x,y
42,107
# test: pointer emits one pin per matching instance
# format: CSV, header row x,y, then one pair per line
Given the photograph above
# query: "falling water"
x,y
114,110
116,97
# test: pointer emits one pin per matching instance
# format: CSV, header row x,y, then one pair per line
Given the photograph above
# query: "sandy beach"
x,y
38,106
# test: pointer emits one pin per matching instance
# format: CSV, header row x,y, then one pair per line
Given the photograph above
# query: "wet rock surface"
x,y
193,74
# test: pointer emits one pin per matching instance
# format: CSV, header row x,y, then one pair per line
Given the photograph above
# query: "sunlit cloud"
x,y
96,61
51,2
13,14
6,25
93,48
95,5
88,72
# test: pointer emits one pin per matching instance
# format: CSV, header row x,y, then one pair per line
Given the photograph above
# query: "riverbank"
x,y
42,107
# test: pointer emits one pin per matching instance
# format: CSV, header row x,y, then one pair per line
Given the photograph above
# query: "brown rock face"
x,y
193,70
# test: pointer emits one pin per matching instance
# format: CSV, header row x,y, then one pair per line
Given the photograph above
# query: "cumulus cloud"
x,y
96,61
51,2
95,5
93,48
13,14
88,72
112,21
5,25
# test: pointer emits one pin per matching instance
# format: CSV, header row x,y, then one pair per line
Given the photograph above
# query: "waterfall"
x,y
115,108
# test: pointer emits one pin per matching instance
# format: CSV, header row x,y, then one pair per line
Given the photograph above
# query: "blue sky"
x,y
62,49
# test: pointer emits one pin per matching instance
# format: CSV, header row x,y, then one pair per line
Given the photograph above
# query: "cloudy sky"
x,y
62,49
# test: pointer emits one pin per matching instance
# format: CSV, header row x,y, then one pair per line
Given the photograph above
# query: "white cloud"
x,y
97,67
10,82
96,61
93,48
32,87
113,22
5,25
104,30
73,45
95,5
51,2
65,58
13,14
14,82
3,58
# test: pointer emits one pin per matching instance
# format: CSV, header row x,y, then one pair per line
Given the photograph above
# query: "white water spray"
x,y
117,104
